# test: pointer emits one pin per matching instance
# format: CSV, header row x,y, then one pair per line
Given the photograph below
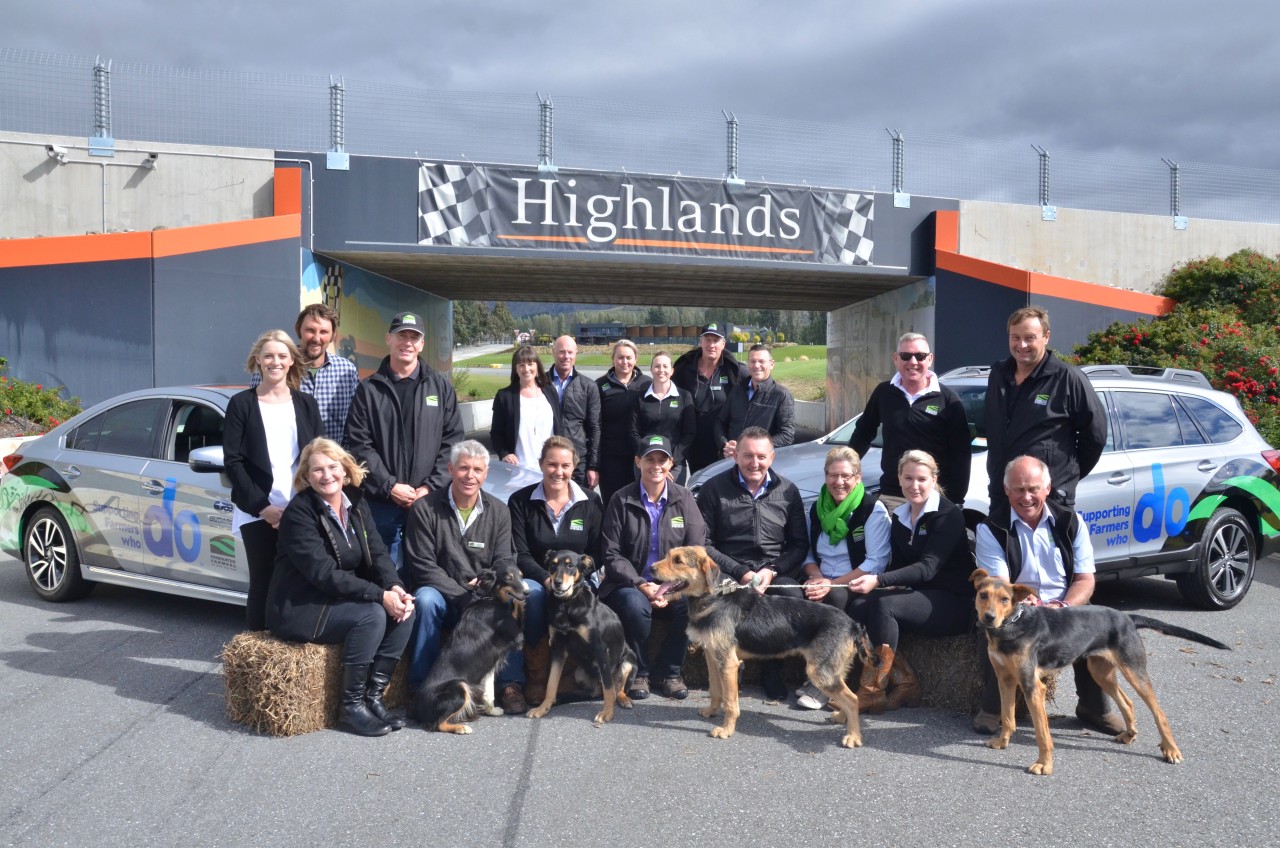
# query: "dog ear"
x,y
586,564
1021,593
486,580
707,566
546,560
979,575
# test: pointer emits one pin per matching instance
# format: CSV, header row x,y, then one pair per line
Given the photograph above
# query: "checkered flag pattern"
x,y
849,240
453,205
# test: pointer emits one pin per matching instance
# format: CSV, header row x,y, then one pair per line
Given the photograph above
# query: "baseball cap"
x,y
407,321
713,329
649,444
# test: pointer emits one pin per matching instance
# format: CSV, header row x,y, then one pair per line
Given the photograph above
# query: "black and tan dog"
x,y
732,623
1024,641
587,630
489,629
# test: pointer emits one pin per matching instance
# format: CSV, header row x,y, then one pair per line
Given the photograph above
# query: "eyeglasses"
x,y
843,478
907,356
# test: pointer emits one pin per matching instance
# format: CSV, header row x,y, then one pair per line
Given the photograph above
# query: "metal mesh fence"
x,y
54,94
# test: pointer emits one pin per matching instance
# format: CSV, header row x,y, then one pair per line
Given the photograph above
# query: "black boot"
x,y
379,677
354,714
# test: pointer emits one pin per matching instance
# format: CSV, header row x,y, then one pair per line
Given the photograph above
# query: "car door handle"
x,y
223,506
1206,465
72,471
1119,478
153,487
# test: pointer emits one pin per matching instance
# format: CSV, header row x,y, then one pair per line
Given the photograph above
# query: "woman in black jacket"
x,y
335,583
619,391
525,412
664,409
925,589
265,428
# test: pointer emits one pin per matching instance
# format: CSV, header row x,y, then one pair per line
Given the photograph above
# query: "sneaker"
x,y
512,700
674,688
639,688
986,723
810,697
1109,722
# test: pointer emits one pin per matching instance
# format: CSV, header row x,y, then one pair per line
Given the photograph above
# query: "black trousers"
x,y
931,612
259,540
365,631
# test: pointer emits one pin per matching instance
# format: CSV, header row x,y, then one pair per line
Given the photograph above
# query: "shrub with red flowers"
x,y
1225,325
30,408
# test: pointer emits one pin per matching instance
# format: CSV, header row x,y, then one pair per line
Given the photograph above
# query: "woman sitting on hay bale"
x,y
335,583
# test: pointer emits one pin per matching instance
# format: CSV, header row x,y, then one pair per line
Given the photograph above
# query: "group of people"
x,y
388,454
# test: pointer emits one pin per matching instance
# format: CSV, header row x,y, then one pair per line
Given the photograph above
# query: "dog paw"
x,y
707,712
601,718
1171,754
851,740
462,730
837,717
493,711
1044,769
997,743
1127,737
538,712
720,733
625,702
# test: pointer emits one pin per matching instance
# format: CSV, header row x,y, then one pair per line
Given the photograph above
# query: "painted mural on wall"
x,y
861,341
365,304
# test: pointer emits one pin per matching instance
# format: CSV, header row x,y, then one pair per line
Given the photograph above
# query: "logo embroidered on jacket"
x,y
677,522
1042,400
431,400
931,409
575,524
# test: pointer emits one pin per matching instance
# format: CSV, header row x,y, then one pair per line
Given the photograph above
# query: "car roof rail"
x,y
1148,372
966,371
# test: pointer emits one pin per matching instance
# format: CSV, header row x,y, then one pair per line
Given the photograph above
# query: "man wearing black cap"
x,y
403,421
707,373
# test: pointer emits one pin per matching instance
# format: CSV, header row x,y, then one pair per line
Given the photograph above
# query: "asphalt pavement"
x,y
115,733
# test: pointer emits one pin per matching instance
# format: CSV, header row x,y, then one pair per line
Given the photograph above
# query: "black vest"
x,y
856,541
1065,523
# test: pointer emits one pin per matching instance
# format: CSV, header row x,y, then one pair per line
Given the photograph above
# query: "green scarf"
x,y
833,516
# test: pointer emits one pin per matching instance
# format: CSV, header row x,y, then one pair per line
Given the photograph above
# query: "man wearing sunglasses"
x,y
916,412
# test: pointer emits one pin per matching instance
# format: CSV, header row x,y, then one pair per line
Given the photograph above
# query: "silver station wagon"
x,y
1185,488
131,492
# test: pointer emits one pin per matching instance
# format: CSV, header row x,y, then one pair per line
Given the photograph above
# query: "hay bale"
x,y
288,688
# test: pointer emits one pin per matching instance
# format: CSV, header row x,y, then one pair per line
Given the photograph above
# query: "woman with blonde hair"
x,y
265,428
620,389
925,588
335,583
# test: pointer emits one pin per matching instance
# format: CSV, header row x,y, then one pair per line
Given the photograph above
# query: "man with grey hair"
x,y
579,410
1045,546
916,412
451,535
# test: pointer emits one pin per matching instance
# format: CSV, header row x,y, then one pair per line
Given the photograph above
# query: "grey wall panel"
x,y
375,201
905,237
83,326
211,306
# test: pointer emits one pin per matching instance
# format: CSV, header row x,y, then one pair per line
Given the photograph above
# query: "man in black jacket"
x,y
707,373
453,533
916,412
403,421
756,530
1040,406
758,402
579,411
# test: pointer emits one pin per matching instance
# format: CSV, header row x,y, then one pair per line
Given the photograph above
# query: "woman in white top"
x,y
525,412
266,428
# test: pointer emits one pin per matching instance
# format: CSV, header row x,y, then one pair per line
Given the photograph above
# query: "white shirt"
x,y
903,512
931,384
536,423
833,560
281,427
1042,568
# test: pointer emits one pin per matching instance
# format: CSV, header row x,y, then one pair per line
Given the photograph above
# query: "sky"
x,y
1192,81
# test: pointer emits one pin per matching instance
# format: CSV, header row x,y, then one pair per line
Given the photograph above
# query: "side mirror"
x,y
206,460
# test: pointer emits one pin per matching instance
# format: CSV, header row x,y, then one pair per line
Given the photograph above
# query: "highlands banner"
x,y
489,206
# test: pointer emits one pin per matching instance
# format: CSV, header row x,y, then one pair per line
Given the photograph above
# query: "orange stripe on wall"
x,y
287,191
1045,285
66,250
946,230
229,234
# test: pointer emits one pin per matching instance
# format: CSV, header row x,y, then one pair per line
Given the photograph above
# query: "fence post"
x,y
1047,211
101,142
731,148
1175,194
901,199
337,159
546,133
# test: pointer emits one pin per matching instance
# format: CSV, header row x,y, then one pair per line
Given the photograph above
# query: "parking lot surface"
x,y
115,733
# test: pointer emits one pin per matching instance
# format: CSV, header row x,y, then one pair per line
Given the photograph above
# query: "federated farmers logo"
x,y
677,522
222,552
931,409
675,403
576,524
1042,400
655,440
432,400
858,533
711,328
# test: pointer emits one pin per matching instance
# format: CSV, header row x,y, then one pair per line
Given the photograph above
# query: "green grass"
x,y
485,386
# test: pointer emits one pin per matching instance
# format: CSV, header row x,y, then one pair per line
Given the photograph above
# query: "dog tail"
x,y
1142,622
866,652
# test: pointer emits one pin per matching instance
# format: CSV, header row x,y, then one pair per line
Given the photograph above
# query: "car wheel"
x,y
53,562
1224,570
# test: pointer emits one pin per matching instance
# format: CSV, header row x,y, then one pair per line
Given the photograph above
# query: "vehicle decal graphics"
x,y
1159,513
19,489
121,520
222,552
166,533
1269,520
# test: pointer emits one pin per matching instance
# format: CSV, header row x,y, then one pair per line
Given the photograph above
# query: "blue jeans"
x,y
390,519
637,614
434,615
